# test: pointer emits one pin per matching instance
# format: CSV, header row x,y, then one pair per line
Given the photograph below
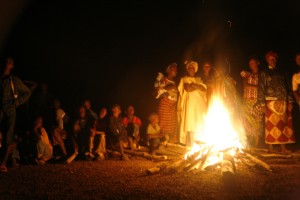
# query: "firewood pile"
x,y
202,160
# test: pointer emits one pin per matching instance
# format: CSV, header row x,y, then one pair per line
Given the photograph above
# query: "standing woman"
x,y
191,104
276,98
208,77
167,93
252,118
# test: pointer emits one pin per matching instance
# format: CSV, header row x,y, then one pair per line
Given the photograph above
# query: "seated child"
x,y
153,133
98,132
118,134
44,147
133,125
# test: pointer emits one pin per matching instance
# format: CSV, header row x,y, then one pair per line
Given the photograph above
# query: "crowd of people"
x,y
264,110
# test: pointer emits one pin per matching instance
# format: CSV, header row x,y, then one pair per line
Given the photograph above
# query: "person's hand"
x,y
93,133
244,74
170,87
187,87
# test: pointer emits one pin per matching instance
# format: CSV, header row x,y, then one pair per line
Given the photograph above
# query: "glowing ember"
x,y
219,133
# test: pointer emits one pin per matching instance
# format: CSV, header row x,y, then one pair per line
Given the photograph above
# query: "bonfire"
x,y
220,143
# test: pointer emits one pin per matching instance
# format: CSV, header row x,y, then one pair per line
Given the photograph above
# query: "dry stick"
x,y
188,161
72,157
163,151
146,155
273,155
201,167
258,161
153,170
193,164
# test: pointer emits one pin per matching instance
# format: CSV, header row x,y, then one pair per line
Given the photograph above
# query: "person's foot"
x,y
99,156
15,163
285,151
40,161
3,169
124,158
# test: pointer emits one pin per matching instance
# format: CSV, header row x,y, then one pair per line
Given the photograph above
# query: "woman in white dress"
x,y
192,104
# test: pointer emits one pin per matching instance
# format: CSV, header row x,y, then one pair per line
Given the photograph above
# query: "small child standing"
x,y
153,133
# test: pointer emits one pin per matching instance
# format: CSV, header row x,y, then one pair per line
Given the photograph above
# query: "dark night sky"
x,y
111,51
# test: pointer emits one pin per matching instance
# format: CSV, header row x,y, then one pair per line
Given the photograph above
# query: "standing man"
x,y
13,94
275,98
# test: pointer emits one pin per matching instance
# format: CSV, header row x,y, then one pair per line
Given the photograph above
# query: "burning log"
x,y
202,165
228,165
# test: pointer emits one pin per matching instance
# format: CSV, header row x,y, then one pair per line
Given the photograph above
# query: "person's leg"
x,y
123,156
102,144
8,152
11,121
271,150
58,140
91,144
130,141
283,148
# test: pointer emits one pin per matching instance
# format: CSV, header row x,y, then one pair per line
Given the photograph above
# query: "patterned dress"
x,y
252,118
274,93
167,109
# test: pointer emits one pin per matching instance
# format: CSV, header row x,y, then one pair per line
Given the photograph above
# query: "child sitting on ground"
x,y
118,134
153,133
44,147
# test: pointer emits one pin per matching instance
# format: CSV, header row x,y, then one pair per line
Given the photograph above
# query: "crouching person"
x,y
44,147
153,133
118,134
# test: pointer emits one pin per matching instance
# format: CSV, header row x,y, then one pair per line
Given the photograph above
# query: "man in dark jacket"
x,y
13,93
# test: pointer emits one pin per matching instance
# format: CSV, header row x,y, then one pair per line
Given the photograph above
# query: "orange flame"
x,y
219,131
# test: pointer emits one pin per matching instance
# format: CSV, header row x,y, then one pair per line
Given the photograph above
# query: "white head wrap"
x,y
193,63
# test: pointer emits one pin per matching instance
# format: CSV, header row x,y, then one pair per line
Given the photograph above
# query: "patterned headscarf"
x,y
193,63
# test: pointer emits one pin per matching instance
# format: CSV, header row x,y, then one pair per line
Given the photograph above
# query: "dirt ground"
x,y
115,179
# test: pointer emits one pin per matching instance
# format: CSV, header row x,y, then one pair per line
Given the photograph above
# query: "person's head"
x,y
116,110
9,65
254,64
271,58
87,104
206,67
153,118
56,104
171,70
82,112
130,110
103,113
44,87
297,59
38,122
191,67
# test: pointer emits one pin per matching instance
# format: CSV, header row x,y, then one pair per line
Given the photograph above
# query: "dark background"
x,y
111,51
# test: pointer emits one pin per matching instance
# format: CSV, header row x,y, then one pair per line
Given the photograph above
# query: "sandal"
x,y
3,169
